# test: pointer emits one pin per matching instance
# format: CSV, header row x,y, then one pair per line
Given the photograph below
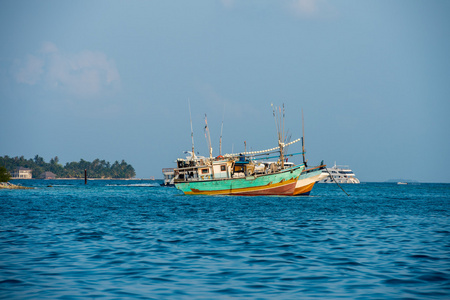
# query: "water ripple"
x,y
120,240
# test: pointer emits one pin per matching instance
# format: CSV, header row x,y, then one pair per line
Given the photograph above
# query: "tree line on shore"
x,y
95,169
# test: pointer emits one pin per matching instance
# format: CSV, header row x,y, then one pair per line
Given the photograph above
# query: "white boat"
x,y
168,176
341,174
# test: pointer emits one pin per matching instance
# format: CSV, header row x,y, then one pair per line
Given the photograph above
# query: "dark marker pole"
x,y
85,176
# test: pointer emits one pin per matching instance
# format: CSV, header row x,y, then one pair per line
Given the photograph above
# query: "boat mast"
x,y
192,131
283,126
303,140
280,126
208,138
281,141
220,141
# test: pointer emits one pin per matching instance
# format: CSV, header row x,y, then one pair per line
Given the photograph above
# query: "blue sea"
x,y
137,240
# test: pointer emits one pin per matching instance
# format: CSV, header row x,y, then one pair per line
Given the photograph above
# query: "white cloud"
x,y
227,3
304,7
29,70
86,74
48,47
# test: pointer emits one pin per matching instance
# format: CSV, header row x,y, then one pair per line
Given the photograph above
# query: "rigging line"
x,y
336,181
275,156
192,131
287,139
221,130
275,119
279,121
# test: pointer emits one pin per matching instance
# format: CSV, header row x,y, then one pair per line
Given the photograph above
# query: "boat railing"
x,y
314,168
192,168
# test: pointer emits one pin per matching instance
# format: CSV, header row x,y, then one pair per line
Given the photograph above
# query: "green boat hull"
x,y
280,183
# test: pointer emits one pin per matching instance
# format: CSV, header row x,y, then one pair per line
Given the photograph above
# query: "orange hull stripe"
x,y
304,189
245,190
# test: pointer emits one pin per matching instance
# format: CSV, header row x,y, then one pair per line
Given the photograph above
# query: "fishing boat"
x,y
240,174
237,174
227,176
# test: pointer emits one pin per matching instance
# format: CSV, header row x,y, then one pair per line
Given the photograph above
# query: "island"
x,y
37,166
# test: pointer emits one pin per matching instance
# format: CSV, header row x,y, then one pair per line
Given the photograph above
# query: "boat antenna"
x,y
192,131
303,140
208,138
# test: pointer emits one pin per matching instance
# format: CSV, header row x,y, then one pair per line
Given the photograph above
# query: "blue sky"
x,y
112,79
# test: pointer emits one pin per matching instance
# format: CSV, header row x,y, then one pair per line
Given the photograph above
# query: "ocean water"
x,y
137,240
